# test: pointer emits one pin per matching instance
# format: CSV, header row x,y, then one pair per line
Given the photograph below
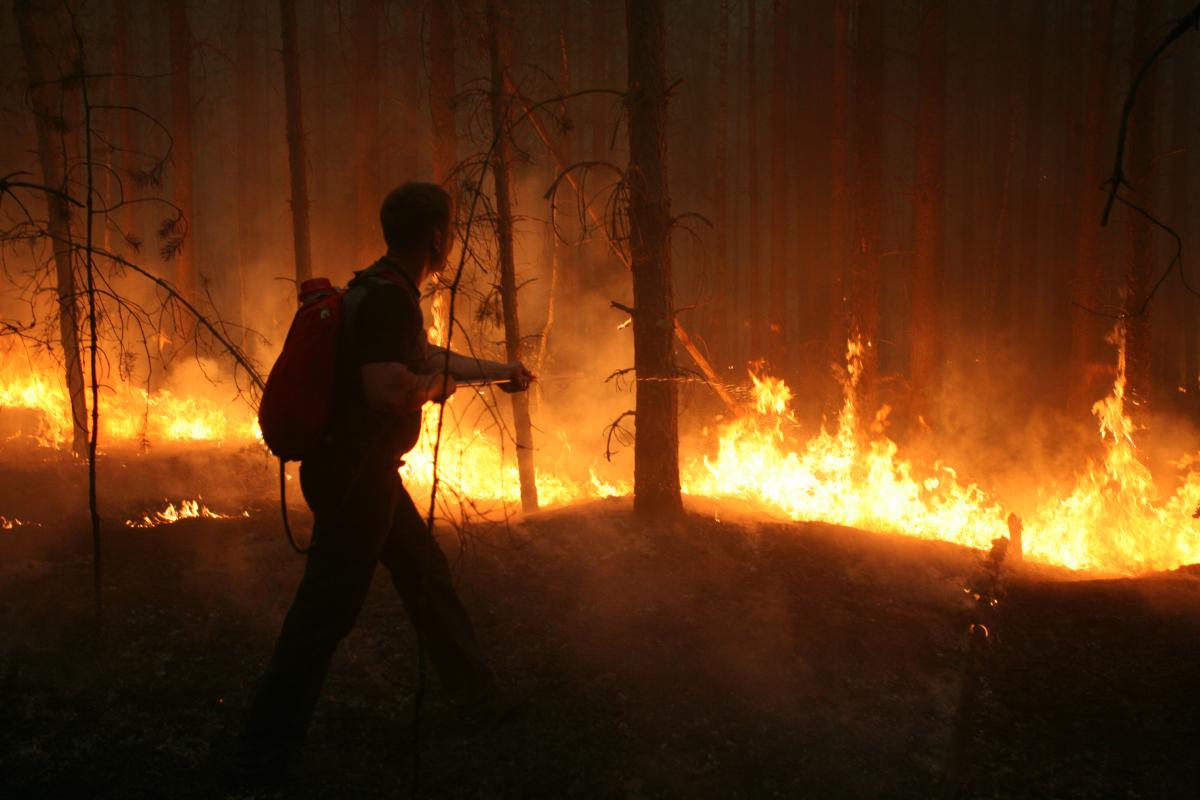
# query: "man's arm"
x,y
467,369
392,387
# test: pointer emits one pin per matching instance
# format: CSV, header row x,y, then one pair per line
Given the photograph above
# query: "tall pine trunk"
x,y
441,91
925,326
48,99
557,253
782,136
719,307
368,23
751,317
248,102
1140,260
1028,230
656,446
839,188
868,183
1183,118
410,62
297,158
179,38
498,55
1087,330
125,217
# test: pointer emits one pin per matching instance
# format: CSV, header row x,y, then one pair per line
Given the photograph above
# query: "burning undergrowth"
x,y
1110,517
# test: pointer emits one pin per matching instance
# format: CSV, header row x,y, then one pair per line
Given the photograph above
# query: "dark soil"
x,y
704,659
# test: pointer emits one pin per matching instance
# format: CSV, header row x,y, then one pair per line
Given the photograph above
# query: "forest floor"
x,y
720,657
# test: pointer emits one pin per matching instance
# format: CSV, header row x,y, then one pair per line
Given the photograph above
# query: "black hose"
x,y
287,529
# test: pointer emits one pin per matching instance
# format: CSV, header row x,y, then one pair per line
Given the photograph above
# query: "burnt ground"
x,y
706,659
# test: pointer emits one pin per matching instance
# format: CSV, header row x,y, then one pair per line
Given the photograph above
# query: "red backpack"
x,y
297,401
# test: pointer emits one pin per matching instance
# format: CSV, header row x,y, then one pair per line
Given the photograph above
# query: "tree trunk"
x,y
46,98
1140,262
1183,120
410,61
1000,279
182,156
782,135
719,307
125,217
297,159
839,165
656,446
558,254
751,318
247,97
925,326
1028,231
868,183
1087,330
368,22
498,52
441,91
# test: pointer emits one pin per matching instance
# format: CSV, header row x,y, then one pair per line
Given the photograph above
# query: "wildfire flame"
x,y
1113,520
129,413
187,509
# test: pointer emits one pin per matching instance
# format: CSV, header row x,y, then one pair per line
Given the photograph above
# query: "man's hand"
x,y
519,378
439,387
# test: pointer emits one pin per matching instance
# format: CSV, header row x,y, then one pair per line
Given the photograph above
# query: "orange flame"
x,y
187,509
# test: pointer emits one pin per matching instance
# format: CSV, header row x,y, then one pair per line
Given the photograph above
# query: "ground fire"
x,y
679,399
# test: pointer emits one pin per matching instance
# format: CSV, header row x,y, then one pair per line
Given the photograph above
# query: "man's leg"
x,y
422,577
348,534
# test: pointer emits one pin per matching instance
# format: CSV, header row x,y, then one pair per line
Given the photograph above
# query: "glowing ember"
x,y
7,524
187,509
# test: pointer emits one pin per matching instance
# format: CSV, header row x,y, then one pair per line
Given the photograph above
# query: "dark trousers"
x,y
360,519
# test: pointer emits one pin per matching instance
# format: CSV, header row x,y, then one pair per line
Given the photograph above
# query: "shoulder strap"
x,y
378,274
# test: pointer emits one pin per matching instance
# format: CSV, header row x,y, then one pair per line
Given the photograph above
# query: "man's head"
x,y
417,221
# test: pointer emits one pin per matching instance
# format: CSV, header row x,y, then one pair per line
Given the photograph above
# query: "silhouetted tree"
x,y
656,447
498,23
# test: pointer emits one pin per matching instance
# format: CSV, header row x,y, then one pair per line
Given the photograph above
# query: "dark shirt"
x,y
387,327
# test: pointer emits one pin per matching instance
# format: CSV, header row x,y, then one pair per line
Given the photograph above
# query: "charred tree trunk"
x,y
839,165
1027,269
368,22
498,54
781,137
182,155
925,326
1087,330
441,91
868,183
656,447
48,99
297,159
1140,261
